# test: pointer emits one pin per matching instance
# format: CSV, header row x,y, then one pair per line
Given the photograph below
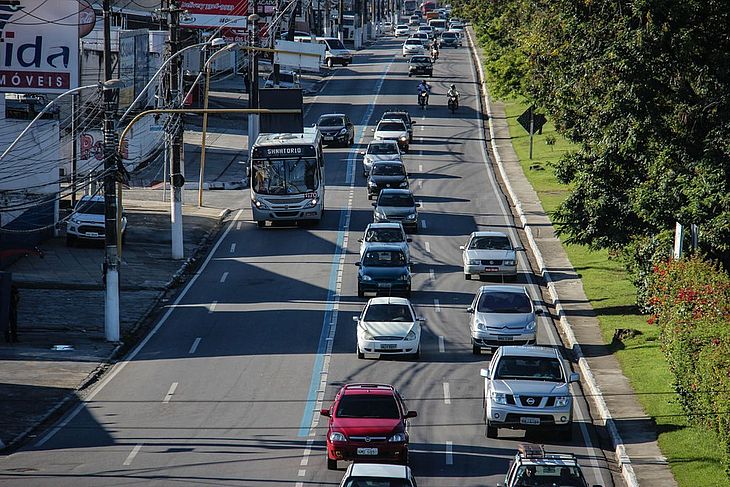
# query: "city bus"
x,y
287,177
428,6
409,7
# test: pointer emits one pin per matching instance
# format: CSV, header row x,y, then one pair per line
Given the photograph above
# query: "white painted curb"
x,y
627,469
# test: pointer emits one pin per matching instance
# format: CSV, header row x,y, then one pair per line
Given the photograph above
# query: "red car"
x,y
367,422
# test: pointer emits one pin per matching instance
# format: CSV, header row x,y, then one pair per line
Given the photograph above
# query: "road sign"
x,y
538,121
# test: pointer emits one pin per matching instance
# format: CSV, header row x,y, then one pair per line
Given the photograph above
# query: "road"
x,y
225,389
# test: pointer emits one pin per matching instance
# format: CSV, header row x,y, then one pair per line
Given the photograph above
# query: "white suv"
x,y
528,387
358,474
87,221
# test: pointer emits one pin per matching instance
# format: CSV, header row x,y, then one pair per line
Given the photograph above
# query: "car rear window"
x,y
399,200
381,169
490,243
388,312
367,406
504,302
331,122
529,368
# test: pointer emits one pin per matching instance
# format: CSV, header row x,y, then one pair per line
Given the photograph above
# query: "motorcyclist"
x,y
453,93
424,87
435,50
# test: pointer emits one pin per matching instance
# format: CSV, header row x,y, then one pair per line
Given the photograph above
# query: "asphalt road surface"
x,y
226,389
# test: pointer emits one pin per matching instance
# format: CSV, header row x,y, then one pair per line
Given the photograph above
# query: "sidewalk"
x,y
61,312
632,433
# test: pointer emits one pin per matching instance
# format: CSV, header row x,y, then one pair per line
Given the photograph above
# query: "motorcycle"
x,y
434,53
423,99
453,103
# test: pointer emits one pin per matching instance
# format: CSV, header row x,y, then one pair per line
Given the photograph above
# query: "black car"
x,y
336,128
386,174
420,65
384,268
401,115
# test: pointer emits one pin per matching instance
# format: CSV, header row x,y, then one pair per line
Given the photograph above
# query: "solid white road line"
x,y
211,308
420,168
133,454
238,225
195,344
168,396
428,247
437,305
224,277
447,393
449,453
441,344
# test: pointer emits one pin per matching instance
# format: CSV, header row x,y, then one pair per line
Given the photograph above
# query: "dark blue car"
x,y
384,269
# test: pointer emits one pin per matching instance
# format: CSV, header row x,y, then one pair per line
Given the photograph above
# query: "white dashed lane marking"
x,y
441,344
170,392
194,346
133,454
447,393
224,277
233,247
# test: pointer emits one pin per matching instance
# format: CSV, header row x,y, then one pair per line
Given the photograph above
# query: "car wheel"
x,y
360,292
331,464
467,277
360,355
410,75
491,431
70,240
476,349
329,65
261,223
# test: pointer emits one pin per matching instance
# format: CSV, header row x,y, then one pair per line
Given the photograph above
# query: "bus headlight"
x,y
261,205
311,203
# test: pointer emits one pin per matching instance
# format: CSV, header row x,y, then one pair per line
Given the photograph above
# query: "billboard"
x,y
39,46
207,14
133,64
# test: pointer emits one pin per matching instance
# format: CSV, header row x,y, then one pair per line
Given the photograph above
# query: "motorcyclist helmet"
x,y
453,86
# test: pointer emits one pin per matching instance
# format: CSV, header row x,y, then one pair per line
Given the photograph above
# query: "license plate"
x,y
92,234
367,451
328,137
388,346
491,269
384,284
504,339
531,421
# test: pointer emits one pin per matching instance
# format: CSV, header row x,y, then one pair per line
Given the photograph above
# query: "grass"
x,y
692,451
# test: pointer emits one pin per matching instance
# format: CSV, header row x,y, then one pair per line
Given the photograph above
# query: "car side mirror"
x,y
324,412
355,319
374,204
409,239
362,152
574,377
418,205
470,309
359,240
411,414
357,264
314,125
539,311
484,372
462,247
372,130
519,249
413,122
421,319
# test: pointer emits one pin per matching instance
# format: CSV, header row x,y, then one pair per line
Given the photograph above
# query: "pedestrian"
x,y
12,334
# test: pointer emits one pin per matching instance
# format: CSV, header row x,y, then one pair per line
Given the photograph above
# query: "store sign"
x,y
39,46
207,14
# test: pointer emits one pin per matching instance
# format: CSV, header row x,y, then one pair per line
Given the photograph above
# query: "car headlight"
x,y
474,261
365,277
366,333
403,138
531,326
404,184
380,214
562,401
411,335
372,183
498,397
337,436
412,216
481,326
508,262
342,131
403,277
397,438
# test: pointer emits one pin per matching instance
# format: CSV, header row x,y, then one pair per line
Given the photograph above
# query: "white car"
x,y
380,150
426,29
413,46
489,254
393,130
388,326
426,41
377,474
387,27
386,232
502,315
402,30
87,221
287,79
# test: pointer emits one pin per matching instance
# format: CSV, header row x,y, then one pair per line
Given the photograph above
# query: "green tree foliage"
x,y
642,88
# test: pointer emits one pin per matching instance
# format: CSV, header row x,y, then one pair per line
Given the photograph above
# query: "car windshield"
x,y
384,235
391,127
376,482
367,406
384,258
529,368
448,35
504,302
335,43
283,77
388,312
382,149
388,170
399,200
284,176
420,60
550,475
490,243
331,122
90,207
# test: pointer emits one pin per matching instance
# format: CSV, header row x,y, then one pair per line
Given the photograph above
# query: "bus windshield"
x,y
285,176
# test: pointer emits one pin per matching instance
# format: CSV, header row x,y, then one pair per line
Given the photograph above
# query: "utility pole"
x,y
176,178
340,13
253,97
111,256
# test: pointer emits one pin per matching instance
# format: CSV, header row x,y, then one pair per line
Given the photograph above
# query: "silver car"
x,y
528,388
502,315
388,232
489,254
397,205
380,150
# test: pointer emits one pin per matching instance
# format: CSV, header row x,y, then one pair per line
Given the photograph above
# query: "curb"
x,y
587,377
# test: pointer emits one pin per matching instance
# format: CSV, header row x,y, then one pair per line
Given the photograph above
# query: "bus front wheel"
x,y
261,223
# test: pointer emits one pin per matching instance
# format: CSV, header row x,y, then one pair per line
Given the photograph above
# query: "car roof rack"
x,y
528,450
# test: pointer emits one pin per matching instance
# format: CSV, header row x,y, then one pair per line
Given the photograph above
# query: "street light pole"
x,y
111,258
253,97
